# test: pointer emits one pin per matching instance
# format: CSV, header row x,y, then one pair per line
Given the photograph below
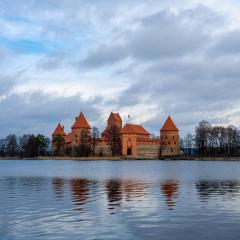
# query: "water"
x,y
119,200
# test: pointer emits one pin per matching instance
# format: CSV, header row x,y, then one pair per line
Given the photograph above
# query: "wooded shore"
x,y
125,158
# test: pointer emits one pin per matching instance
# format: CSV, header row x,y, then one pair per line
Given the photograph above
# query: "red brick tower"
x,y
169,134
81,124
113,119
59,131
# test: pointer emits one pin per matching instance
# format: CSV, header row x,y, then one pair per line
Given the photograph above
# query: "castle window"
x,y
75,136
129,140
175,143
166,137
76,141
173,137
169,143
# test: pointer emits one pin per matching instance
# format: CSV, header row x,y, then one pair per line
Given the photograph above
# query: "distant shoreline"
x,y
125,158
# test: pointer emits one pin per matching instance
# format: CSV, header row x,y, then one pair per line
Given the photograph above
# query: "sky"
x,y
143,58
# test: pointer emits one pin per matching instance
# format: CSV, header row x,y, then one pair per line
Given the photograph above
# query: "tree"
x,y
42,144
114,139
217,140
58,145
84,147
12,145
202,132
95,136
2,147
23,146
189,143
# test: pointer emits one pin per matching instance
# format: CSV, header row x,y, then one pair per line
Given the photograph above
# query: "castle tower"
x,y
80,125
59,131
113,119
169,134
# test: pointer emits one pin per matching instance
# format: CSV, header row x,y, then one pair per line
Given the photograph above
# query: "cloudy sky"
x,y
146,58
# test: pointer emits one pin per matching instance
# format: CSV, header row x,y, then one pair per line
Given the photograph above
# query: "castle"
x,y
135,140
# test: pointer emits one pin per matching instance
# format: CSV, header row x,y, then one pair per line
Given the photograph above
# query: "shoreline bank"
x,y
121,158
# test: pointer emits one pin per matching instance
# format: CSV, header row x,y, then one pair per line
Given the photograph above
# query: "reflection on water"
x,y
134,189
114,193
80,191
119,191
170,191
209,189
58,186
158,200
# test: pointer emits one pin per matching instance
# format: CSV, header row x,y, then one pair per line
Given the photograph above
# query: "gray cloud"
x,y
227,44
36,112
181,60
161,35
7,83
104,55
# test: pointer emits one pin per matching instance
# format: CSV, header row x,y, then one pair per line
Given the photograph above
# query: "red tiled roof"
x,y
169,125
81,122
59,130
116,116
136,129
68,138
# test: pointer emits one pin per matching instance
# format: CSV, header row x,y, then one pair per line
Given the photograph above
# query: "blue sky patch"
x,y
26,46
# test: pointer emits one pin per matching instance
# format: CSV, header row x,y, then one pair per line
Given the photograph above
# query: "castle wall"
x,y
103,150
148,150
169,150
129,143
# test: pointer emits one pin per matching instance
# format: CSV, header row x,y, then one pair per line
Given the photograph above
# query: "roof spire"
x,y
59,130
81,122
169,125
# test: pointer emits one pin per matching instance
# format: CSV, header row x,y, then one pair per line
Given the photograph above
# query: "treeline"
x,y
212,141
25,146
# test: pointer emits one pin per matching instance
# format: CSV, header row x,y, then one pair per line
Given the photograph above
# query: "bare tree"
x,y
84,147
202,133
12,145
114,139
95,137
189,143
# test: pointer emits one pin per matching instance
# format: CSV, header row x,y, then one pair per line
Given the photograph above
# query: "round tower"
x,y
169,135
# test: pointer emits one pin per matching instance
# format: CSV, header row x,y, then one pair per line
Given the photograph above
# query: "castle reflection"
x,y
170,190
133,189
114,193
58,187
117,191
80,191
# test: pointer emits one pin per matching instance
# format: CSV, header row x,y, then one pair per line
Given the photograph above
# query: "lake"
x,y
119,200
